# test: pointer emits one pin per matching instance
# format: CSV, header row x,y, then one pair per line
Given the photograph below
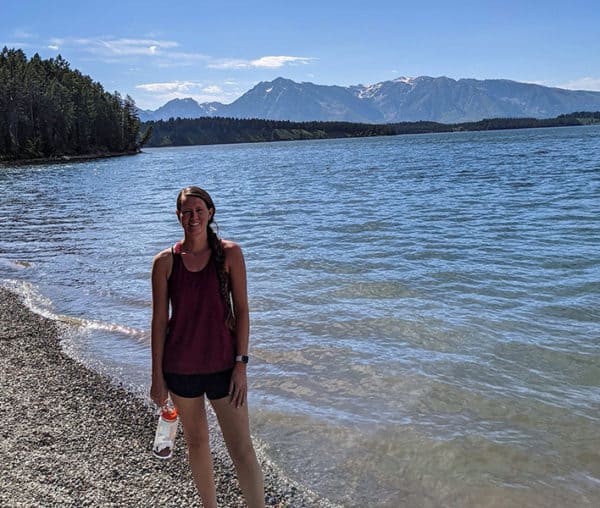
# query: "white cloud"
x,y
172,87
180,59
278,61
22,34
17,45
114,50
270,62
126,47
153,95
587,83
113,47
228,64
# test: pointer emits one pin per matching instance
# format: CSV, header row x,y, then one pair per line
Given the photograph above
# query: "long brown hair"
x,y
216,247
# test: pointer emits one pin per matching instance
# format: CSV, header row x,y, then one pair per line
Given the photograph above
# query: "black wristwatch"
x,y
241,358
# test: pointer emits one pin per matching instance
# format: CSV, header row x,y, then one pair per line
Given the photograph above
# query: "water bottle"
x,y
166,430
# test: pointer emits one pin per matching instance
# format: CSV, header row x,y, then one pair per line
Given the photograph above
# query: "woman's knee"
x,y
242,454
196,436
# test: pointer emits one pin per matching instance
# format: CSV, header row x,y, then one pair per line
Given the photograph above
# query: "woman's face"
x,y
194,215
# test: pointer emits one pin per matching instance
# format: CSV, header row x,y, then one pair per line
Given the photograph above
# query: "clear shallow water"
x,y
425,309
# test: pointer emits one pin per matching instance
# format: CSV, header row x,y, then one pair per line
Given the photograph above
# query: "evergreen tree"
x,y
49,110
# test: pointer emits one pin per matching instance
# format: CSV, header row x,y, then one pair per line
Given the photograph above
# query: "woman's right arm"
x,y
161,268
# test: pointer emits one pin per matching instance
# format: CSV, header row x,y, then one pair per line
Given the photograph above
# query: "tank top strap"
x,y
176,256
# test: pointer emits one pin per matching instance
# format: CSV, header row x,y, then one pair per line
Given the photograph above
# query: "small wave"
x,y
102,326
373,289
32,298
24,264
42,305
141,335
580,313
15,264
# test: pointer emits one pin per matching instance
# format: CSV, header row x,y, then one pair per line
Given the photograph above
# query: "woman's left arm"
x,y
236,266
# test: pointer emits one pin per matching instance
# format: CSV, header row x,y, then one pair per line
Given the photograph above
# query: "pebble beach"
x,y
71,437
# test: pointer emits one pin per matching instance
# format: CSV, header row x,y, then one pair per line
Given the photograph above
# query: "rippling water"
x,y
425,309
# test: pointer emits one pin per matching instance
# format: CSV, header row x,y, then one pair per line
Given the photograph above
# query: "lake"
x,y
425,309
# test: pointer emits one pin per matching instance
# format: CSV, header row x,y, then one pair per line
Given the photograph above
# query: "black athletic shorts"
x,y
216,385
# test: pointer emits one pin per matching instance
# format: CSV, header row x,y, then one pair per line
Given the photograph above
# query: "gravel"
x,y
71,437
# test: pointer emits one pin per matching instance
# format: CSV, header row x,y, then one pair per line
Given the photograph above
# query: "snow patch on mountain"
x,y
404,79
369,91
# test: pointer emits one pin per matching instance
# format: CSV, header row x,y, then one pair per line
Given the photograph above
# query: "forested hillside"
x,y
214,130
48,110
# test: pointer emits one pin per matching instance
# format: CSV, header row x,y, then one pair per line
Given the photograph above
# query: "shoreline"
x,y
203,131
73,438
66,158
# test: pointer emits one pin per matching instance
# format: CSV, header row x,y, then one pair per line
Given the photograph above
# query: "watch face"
x,y
245,359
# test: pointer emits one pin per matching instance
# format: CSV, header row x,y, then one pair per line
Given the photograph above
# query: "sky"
x,y
218,50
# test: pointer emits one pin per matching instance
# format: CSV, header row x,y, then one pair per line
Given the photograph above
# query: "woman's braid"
x,y
216,246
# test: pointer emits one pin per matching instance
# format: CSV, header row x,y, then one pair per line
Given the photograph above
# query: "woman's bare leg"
x,y
235,427
192,413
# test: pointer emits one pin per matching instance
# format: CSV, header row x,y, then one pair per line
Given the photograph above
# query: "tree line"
x,y
216,130
48,110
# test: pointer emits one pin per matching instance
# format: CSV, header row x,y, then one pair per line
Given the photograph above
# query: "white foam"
x,y
32,298
38,303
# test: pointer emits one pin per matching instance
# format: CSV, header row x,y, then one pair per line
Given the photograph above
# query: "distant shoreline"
x,y
66,158
220,130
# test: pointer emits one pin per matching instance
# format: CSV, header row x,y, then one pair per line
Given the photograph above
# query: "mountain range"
x,y
439,99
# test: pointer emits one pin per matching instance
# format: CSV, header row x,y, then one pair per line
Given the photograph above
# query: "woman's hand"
x,y
158,391
238,386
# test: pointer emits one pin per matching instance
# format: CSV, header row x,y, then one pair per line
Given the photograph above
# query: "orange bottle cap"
x,y
169,413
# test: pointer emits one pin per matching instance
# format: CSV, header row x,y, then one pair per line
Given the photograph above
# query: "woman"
x,y
202,348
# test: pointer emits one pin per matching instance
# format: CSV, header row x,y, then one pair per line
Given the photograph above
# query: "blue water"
x,y
425,309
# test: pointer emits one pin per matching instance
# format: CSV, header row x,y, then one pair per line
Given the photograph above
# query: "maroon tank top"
x,y
198,340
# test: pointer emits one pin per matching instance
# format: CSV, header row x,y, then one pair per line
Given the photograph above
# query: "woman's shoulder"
x,y
164,258
231,248
232,251
164,253
229,245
